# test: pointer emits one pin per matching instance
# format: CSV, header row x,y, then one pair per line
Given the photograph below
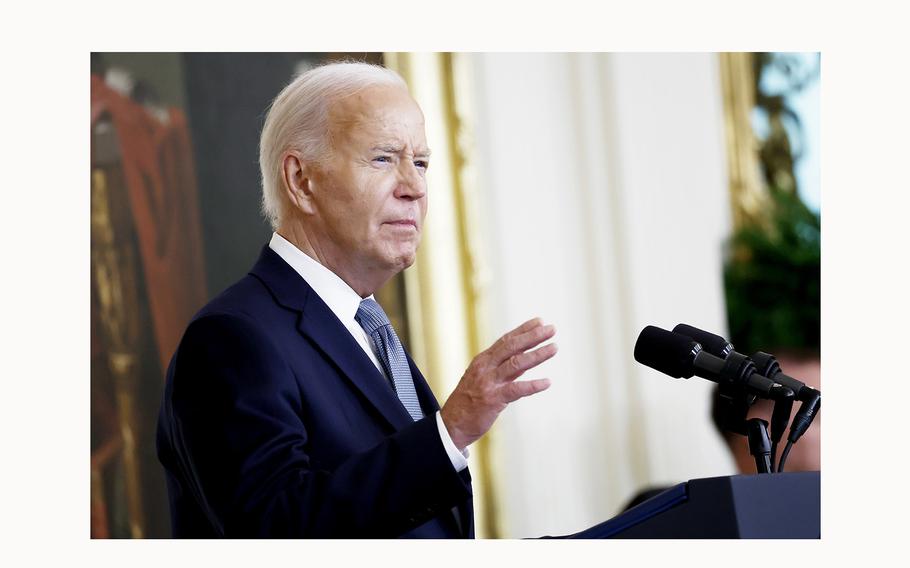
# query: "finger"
x,y
516,365
526,326
520,389
512,344
523,328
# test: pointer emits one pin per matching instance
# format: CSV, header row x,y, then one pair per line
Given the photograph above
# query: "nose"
x,y
412,185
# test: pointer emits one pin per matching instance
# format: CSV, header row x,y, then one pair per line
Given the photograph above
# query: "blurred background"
x,y
600,191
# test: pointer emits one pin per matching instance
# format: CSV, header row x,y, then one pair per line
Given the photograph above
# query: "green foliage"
x,y
772,274
772,279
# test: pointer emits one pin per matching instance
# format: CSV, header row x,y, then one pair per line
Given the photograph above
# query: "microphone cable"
x,y
812,403
783,456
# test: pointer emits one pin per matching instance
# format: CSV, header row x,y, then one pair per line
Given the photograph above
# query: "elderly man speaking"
x,y
291,408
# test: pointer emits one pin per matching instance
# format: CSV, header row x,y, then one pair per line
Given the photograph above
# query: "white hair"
x,y
298,120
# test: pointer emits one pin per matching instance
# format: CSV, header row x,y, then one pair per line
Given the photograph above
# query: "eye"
x,y
422,164
384,159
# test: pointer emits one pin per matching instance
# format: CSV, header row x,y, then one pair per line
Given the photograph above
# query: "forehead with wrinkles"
x,y
382,114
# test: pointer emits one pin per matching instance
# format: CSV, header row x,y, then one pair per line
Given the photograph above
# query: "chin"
x,y
402,256
405,260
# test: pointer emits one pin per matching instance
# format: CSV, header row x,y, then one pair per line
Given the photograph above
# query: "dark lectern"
x,y
776,505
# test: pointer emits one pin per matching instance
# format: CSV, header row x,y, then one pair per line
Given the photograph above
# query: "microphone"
x,y
807,411
759,445
679,356
772,369
712,343
810,397
811,401
765,363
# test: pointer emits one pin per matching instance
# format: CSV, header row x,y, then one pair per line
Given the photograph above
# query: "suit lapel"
x,y
322,327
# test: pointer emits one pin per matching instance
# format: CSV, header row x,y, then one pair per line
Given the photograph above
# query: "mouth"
x,y
405,224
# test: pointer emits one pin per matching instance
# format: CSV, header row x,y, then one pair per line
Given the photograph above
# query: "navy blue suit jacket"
x,y
275,423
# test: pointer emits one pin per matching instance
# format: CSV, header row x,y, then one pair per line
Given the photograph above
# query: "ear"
x,y
296,175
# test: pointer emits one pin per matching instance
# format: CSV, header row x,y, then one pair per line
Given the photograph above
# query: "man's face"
x,y
370,192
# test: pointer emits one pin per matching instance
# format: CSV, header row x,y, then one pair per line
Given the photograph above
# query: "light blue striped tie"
x,y
374,321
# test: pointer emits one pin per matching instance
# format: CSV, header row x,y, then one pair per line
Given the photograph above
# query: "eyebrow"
x,y
397,150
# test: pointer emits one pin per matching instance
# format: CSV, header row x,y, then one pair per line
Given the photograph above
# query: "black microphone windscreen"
x,y
710,342
667,352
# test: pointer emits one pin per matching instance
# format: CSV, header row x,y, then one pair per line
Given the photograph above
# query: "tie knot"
x,y
370,316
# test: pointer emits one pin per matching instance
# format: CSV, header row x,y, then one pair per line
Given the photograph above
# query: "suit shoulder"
x,y
247,299
235,328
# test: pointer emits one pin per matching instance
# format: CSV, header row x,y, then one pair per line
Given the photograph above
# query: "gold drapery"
x,y
747,192
444,290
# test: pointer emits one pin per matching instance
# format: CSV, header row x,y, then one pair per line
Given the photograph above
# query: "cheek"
x,y
361,201
424,204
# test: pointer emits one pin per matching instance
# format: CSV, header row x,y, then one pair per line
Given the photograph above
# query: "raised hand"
x,y
489,384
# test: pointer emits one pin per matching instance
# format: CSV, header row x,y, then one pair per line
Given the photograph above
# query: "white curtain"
x,y
603,206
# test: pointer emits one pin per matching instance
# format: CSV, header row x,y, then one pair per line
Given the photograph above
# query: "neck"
x,y
364,282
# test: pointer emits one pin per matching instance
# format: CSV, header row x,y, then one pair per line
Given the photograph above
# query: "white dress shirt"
x,y
344,302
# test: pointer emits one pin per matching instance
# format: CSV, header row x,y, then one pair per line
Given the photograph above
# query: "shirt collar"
x,y
335,292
